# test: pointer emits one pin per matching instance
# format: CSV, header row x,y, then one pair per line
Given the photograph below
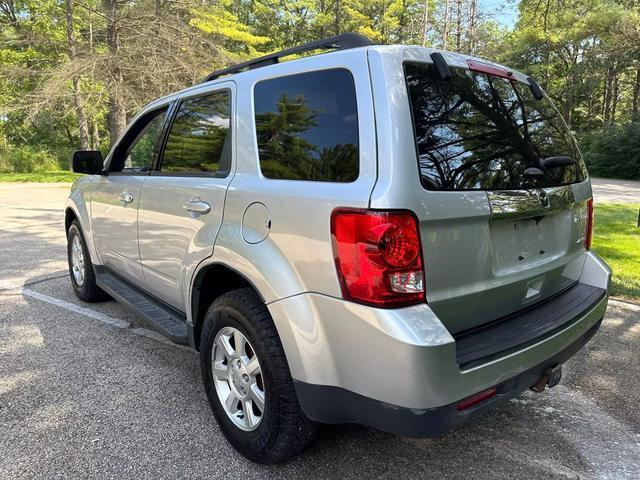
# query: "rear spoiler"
x,y
444,72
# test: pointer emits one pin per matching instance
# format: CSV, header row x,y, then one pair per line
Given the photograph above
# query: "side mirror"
x,y
87,161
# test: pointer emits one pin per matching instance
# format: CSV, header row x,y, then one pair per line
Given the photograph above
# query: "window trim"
x,y
255,127
118,146
156,170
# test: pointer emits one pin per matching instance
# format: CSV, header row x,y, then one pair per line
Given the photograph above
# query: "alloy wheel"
x,y
237,377
77,260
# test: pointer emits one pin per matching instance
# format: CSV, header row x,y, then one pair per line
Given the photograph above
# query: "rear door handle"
x,y
126,197
197,206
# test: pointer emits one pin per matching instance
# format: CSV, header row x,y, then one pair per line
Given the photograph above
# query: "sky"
x,y
504,11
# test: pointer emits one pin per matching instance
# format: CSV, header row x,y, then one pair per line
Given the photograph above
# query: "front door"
x,y
181,203
115,199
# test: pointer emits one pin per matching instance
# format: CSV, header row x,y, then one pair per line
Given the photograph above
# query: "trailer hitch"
x,y
550,379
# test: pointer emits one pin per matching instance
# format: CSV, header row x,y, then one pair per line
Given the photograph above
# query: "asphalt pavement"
x,y
87,392
615,191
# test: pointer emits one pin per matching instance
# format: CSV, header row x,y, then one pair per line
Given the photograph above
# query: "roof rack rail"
x,y
344,41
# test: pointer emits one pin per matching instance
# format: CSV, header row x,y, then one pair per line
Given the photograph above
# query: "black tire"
x,y
284,429
89,290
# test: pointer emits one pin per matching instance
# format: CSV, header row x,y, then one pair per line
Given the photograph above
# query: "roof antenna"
x,y
444,72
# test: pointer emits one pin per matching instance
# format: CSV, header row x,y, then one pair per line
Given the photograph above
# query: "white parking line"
x,y
102,317
87,312
144,332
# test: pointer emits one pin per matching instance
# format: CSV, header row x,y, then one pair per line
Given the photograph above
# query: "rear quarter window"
x,y
307,126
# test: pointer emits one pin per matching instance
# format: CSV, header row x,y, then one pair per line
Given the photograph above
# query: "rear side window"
x,y
307,126
200,136
480,132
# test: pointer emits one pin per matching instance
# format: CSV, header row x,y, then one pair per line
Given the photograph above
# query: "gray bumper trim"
x,y
526,327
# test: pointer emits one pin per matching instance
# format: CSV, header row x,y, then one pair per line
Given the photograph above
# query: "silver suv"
x,y
386,235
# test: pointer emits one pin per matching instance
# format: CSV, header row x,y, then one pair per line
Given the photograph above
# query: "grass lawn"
x,y
617,240
44,177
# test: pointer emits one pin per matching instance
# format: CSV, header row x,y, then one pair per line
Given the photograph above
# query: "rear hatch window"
x,y
478,131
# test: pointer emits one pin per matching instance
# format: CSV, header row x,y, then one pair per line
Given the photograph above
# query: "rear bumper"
x,y
336,405
398,369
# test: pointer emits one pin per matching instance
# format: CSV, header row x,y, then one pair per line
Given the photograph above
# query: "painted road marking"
x,y
101,317
145,332
87,312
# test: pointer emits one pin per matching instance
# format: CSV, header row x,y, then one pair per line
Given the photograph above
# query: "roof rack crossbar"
x,y
344,41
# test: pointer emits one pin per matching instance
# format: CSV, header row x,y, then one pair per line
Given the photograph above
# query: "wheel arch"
x,y
211,281
69,216
77,208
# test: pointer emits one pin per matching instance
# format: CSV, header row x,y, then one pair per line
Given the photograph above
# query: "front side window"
x,y
478,131
137,154
200,137
307,126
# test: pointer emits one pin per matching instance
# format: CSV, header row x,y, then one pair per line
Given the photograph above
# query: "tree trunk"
x,y
75,81
336,19
425,23
403,32
72,142
458,25
614,98
473,26
445,27
323,10
636,93
606,109
117,116
95,134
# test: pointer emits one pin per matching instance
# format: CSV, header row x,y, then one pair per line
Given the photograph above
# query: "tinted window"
x,y
200,137
307,126
479,131
138,155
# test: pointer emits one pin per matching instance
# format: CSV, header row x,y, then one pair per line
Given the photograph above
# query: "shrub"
x,y
614,151
26,159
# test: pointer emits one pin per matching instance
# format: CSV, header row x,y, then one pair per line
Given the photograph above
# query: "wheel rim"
x,y
77,260
237,377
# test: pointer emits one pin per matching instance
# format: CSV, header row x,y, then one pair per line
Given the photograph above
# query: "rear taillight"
x,y
588,234
378,256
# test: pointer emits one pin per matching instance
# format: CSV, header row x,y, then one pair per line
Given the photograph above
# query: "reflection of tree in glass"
x,y
339,163
480,131
285,151
140,154
198,134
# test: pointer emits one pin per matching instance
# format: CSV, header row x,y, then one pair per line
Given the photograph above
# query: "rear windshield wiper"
x,y
534,172
555,162
548,163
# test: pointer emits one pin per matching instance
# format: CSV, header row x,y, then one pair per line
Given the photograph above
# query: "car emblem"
x,y
543,198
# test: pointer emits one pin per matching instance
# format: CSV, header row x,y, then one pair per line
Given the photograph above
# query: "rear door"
x,y
182,201
115,198
495,239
